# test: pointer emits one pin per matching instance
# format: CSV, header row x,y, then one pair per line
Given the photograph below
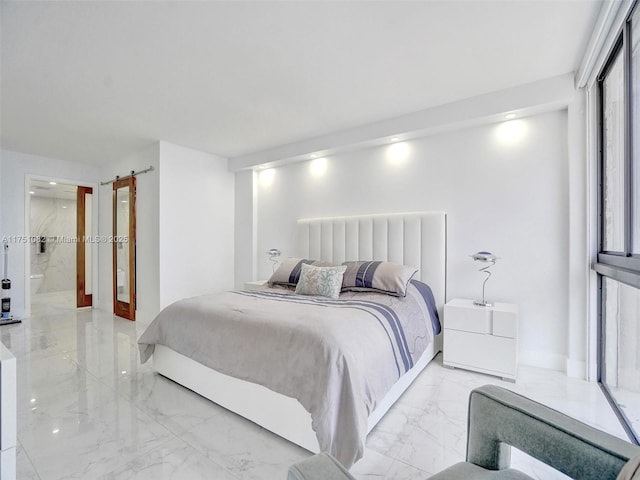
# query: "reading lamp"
x,y
490,259
273,254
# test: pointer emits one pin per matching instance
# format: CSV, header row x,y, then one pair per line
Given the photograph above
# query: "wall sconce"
x,y
398,153
274,253
318,167
490,259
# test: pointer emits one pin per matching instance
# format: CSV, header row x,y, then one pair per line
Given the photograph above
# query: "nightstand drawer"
x,y
487,353
464,315
505,324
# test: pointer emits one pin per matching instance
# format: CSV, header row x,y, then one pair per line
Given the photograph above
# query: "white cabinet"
x,y
254,285
8,414
483,339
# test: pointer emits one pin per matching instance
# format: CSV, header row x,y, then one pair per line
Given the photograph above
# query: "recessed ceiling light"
x,y
64,206
31,192
52,183
510,116
55,430
123,201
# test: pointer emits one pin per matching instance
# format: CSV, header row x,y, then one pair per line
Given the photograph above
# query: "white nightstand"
x,y
483,339
254,285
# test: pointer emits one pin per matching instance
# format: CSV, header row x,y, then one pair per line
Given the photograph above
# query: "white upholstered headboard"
x,y
417,239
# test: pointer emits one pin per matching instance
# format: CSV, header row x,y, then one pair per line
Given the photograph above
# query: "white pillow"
x,y
322,281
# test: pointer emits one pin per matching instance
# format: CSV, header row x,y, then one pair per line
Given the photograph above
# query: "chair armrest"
x,y
318,467
499,419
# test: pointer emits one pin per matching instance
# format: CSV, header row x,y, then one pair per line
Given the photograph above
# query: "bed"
x,y
352,407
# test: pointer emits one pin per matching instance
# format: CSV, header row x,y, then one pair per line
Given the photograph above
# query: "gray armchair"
x,y
499,419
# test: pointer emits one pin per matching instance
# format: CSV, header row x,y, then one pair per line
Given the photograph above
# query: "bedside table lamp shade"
x,y
489,259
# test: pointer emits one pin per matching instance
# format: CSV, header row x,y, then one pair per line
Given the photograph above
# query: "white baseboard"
x,y
553,361
576,369
535,358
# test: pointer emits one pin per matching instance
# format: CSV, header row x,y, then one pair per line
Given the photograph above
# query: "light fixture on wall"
x,y
490,259
267,177
398,153
511,132
274,253
318,167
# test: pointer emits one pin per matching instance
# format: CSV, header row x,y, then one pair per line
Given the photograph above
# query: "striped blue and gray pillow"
x,y
288,273
385,277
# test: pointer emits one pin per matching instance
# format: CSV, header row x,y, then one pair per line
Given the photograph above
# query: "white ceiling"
x,y
91,81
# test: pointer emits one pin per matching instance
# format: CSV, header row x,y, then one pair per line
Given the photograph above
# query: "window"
x,y
621,305
635,126
618,264
613,156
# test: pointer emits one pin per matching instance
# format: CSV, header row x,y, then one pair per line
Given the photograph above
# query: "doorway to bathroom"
x,y
60,225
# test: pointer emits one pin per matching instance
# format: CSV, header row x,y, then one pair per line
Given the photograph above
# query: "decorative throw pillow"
x,y
385,277
288,272
323,281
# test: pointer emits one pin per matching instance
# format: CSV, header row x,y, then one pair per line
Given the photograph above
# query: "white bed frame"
x,y
417,239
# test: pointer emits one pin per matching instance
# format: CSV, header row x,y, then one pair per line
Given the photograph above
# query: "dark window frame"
x,y
624,266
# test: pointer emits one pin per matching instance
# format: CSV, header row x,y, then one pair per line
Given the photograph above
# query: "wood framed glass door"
x,y
124,248
84,247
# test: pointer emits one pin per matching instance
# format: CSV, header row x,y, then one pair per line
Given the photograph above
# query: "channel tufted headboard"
x,y
417,239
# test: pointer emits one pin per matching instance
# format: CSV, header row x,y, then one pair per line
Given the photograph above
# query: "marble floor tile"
x,y
24,467
87,434
243,448
88,409
176,408
372,466
629,402
173,460
52,302
402,471
45,380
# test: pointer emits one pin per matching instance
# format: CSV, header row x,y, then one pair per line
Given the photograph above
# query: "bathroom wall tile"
x,y
54,218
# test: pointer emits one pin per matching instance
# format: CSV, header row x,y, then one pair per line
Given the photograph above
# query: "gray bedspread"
x,y
338,358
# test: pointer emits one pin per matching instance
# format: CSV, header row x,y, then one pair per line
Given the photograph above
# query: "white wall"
x,y
508,197
196,223
14,169
1,215
147,230
245,228
196,228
